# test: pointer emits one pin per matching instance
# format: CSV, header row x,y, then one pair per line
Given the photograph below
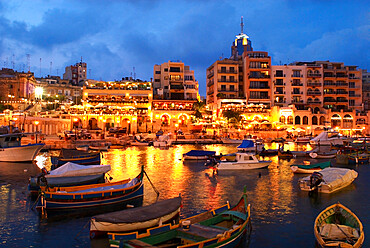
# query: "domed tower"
x,y
242,43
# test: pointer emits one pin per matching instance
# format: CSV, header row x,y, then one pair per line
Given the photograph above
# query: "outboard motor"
x,y
315,179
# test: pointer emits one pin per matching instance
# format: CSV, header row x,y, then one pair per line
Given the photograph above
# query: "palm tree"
x,y
198,107
232,116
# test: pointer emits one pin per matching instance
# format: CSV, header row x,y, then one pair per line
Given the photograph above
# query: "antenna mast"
x,y
28,62
241,25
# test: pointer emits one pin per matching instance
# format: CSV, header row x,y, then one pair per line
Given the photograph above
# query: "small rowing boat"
x,y
136,219
337,226
310,168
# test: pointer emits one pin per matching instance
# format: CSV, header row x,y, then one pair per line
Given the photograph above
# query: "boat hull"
x,y
242,166
327,216
34,187
26,153
86,160
298,170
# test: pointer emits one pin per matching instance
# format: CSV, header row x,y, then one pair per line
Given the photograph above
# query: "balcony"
x,y
279,102
259,87
281,84
341,92
342,84
330,84
296,76
297,101
227,71
315,75
330,100
259,76
314,84
210,74
313,93
340,100
210,83
342,76
259,98
313,102
280,75
296,93
354,95
227,81
279,92
297,84
329,75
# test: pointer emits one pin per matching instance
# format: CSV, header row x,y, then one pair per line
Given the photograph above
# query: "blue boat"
x,y
92,196
198,155
75,156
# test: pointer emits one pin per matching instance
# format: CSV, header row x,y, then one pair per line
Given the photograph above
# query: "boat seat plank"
x,y
203,231
237,214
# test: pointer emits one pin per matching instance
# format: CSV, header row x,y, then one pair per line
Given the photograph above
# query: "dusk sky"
x,y
115,36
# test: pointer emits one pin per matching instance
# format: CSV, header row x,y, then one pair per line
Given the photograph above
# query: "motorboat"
x,y
198,155
162,141
11,149
250,146
338,226
243,161
303,140
328,138
328,180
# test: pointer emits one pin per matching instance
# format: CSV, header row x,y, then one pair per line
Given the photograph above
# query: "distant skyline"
x,y
113,37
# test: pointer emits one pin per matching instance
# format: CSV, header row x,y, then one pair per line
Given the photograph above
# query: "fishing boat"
x,y
136,219
75,156
99,148
358,158
328,138
328,180
309,168
285,154
319,155
223,227
343,154
302,140
11,149
83,148
92,196
198,155
243,161
69,174
338,226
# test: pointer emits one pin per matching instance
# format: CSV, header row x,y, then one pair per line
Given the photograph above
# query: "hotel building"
x,y
76,73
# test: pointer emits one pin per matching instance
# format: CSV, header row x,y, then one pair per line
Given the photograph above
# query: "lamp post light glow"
x,y
36,124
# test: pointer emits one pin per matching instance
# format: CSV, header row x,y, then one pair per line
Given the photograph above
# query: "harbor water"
x,y
282,215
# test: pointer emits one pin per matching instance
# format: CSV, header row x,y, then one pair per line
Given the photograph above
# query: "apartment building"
x,y
366,89
174,80
257,79
76,73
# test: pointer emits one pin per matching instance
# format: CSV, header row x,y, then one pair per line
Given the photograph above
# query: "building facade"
x,y
16,86
76,73
174,81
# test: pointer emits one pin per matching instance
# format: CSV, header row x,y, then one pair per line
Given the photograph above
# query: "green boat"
x,y
337,226
309,168
222,227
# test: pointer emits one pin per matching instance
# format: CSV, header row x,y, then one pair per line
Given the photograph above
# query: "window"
x,y
223,87
232,79
223,78
232,69
279,73
165,69
157,72
223,69
157,80
232,88
351,102
296,73
175,69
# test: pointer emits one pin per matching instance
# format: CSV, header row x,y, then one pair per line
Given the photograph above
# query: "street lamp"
x,y
36,124
75,120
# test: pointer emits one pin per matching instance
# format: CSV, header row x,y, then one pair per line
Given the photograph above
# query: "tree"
x,y
232,116
199,107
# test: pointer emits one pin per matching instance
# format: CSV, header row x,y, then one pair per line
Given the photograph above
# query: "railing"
x,y
341,92
314,84
259,76
296,76
297,93
354,95
228,81
210,74
275,75
297,84
313,74
314,102
279,93
259,87
312,93
342,84
341,76
282,84
227,71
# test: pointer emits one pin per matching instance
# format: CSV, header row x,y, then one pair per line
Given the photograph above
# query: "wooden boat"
x,y
136,219
224,227
11,149
75,156
243,161
328,180
327,155
92,196
337,226
99,148
285,154
198,155
358,158
69,174
303,168
83,148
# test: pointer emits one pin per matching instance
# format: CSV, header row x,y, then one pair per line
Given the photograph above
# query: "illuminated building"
x,y
16,86
76,73
126,103
366,89
174,81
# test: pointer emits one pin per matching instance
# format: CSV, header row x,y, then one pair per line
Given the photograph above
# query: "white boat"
x,y
328,138
70,174
162,141
326,155
249,145
328,180
11,149
231,141
243,161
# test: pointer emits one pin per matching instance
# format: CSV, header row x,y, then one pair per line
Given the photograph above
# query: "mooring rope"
x,y
152,184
